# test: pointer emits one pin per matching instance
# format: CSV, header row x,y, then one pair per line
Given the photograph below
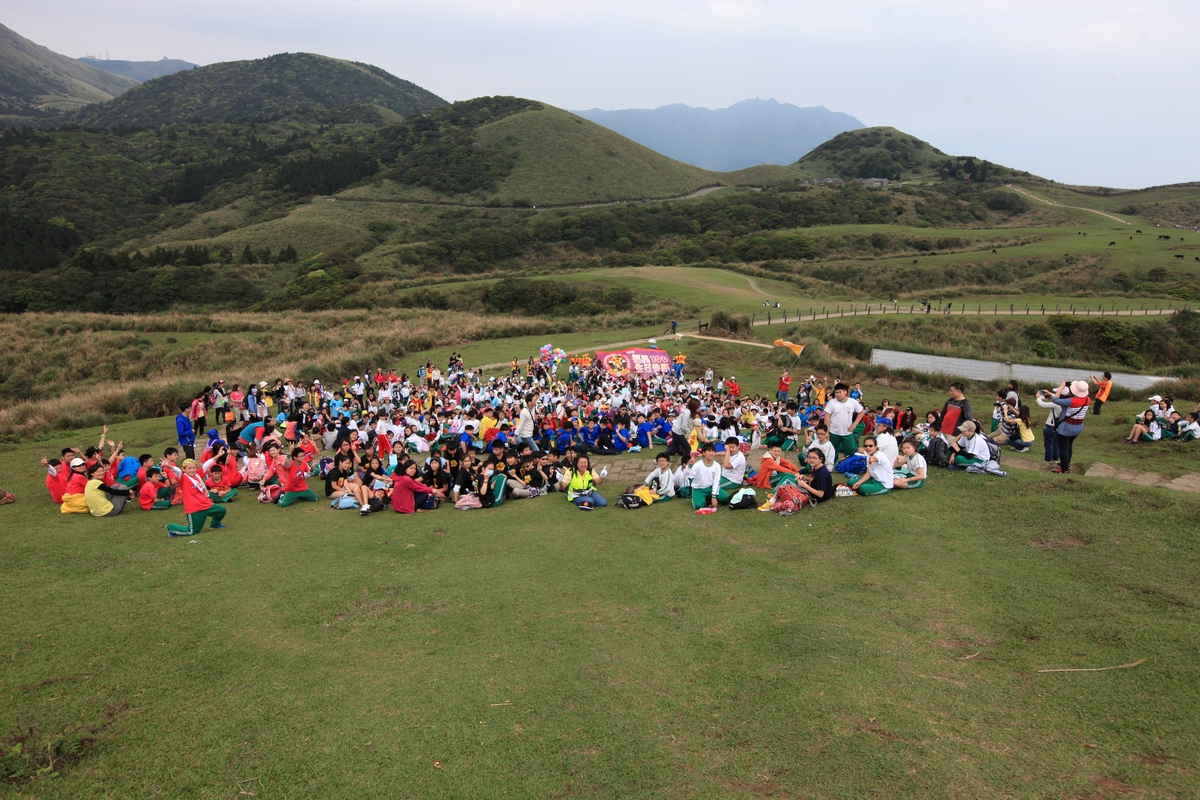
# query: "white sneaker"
x,y
364,510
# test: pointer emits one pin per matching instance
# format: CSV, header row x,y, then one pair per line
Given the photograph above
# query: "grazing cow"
x,y
914,261
1137,231
1168,238
1112,244
1179,255
993,251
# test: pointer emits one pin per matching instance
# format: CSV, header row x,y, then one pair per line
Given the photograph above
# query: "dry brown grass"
x,y
73,370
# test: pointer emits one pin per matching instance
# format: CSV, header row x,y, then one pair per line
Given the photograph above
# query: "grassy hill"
x,y
563,158
298,86
36,82
888,153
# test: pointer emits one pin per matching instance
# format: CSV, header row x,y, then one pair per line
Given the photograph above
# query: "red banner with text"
x,y
641,361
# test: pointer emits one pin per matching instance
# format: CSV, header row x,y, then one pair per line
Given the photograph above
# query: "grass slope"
x,y
300,86
867,648
35,80
565,159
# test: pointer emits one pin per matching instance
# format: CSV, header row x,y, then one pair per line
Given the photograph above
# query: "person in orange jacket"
x,y
774,470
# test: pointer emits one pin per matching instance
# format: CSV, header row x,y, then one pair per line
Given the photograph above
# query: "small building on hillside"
x,y
873,183
828,181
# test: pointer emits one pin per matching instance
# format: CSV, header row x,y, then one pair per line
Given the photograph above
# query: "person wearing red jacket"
x,y
219,490
409,494
294,470
196,504
155,494
56,479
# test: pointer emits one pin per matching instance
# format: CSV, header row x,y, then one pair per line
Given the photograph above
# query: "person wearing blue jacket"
x,y
185,432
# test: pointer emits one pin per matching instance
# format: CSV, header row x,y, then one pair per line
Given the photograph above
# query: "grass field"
x,y
890,649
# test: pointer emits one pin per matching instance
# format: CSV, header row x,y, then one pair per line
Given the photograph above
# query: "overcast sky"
x,y
1099,92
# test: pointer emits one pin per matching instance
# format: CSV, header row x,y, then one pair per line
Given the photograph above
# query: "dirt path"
x,y
754,286
1060,205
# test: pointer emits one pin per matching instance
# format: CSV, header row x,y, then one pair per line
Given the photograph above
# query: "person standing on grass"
x,y
197,505
681,428
185,431
785,386
1103,387
1073,400
965,413
842,416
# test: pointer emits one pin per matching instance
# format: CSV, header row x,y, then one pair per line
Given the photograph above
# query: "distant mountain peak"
x,y
748,133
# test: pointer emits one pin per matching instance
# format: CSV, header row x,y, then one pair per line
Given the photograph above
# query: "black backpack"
x,y
993,449
939,452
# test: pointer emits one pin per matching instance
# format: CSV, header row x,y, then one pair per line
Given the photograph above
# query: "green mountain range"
x,y
36,83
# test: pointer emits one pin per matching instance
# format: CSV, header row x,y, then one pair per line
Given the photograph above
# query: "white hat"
x,y
77,462
1079,388
262,384
1155,398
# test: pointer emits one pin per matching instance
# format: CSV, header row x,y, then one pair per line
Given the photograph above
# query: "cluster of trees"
x,y
735,228
543,298
28,244
1174,340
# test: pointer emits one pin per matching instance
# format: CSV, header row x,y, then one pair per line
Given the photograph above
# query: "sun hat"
x,y
1079,388
1154,398
262,384
77,462
968,426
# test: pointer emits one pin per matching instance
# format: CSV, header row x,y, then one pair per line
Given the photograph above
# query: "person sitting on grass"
x,y
1146,429
683,476
885,442
104,499
1189,429
733,468
1020,425
409,494
817,483
295,479
662,480
343,486
196,505
706,479
155,494
969,448
218,486
56,478
820,441
582,481
73,499
909,469
879,477
776,470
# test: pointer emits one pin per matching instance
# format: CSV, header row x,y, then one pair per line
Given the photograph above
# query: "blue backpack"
x,y
856,464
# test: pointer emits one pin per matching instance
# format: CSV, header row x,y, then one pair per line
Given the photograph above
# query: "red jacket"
x,y
57,484
402,494
195,494
295,477
148,495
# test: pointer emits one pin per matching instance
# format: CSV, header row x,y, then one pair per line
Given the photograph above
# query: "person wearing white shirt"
x,y
706,478
662,480
879,477
733,469
885,442
909,467
842,415
970,448
820,441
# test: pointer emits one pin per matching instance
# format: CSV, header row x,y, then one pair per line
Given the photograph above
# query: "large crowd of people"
x,y
386,441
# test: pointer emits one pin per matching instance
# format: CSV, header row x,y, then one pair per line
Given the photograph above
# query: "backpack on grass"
x,y
993,450
270,494
938,452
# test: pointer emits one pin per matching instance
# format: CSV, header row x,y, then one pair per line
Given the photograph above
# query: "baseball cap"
x,y
77,462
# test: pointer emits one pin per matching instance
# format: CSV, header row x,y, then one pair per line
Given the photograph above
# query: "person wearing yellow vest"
x,y
1103,387
582,481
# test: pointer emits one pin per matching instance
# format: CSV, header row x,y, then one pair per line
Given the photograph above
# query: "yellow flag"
x,y
795,348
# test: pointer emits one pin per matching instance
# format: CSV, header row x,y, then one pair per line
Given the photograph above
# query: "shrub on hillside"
x,y
731,324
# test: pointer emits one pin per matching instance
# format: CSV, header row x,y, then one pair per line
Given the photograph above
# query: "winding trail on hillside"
x,y
754,286
598,204
1031,196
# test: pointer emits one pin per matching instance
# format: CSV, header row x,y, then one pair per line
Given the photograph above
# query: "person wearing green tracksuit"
x,y
196,504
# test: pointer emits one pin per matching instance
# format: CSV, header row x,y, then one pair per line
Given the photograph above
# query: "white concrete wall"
x,y
1024,374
